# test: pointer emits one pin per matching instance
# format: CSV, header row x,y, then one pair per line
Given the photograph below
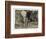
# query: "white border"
x,y
22,31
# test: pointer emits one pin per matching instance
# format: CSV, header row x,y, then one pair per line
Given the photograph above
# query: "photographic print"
x,y
26,19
